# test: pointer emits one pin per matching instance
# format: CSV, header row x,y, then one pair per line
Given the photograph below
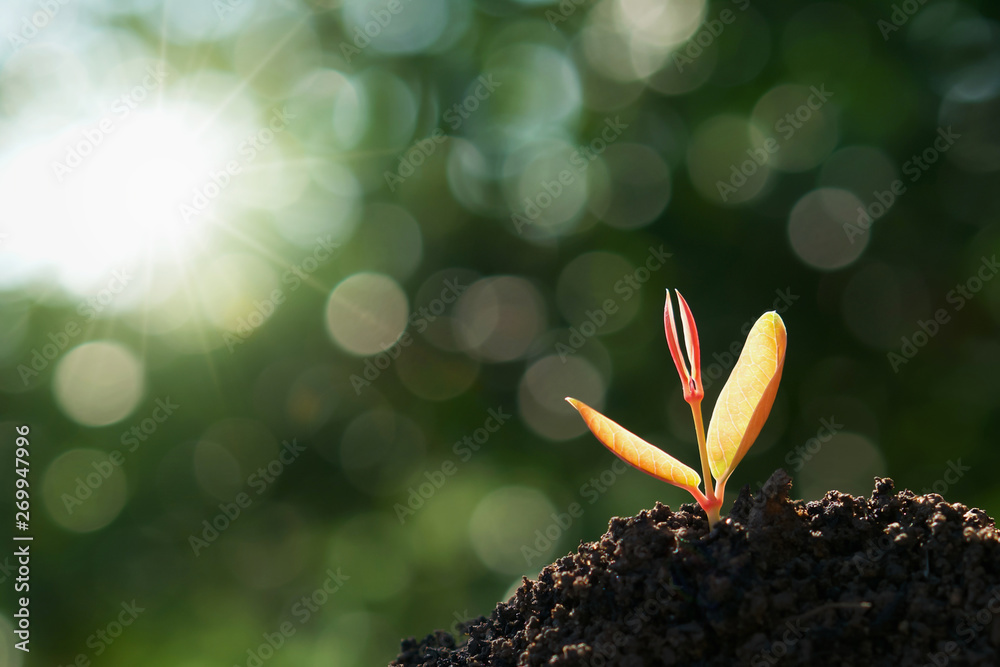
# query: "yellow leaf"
x,y
635,451
746,400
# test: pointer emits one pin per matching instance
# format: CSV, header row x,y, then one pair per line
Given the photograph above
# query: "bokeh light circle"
x,y
366,313
403,31
597,290
98,383
83,490
235,287
724,161
544,387
217,470
800,122
547,184
862,170
639,187
498,318
848,462
504,522
822,227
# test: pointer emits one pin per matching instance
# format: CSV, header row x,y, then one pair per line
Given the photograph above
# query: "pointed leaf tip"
x,y
691,342
689,371
635,451
746,399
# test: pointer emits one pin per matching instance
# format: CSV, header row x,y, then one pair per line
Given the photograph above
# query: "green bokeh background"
x,y
690,114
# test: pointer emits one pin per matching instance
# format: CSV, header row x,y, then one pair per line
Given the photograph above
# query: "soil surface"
x,y
896,579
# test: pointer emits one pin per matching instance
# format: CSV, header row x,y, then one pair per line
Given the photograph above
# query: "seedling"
x,y
739,414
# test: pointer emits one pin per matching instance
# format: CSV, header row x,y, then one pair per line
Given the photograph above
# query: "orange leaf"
x,y
746,400
635,451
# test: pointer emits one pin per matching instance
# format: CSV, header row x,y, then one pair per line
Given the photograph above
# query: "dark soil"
x,y
897,579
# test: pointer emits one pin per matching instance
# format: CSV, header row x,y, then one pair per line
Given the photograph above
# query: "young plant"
x,y
739,414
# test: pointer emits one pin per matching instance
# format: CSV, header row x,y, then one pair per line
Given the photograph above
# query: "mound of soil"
x,y
896,579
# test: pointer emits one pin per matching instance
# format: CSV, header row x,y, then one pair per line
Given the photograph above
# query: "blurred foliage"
x,y
394,236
